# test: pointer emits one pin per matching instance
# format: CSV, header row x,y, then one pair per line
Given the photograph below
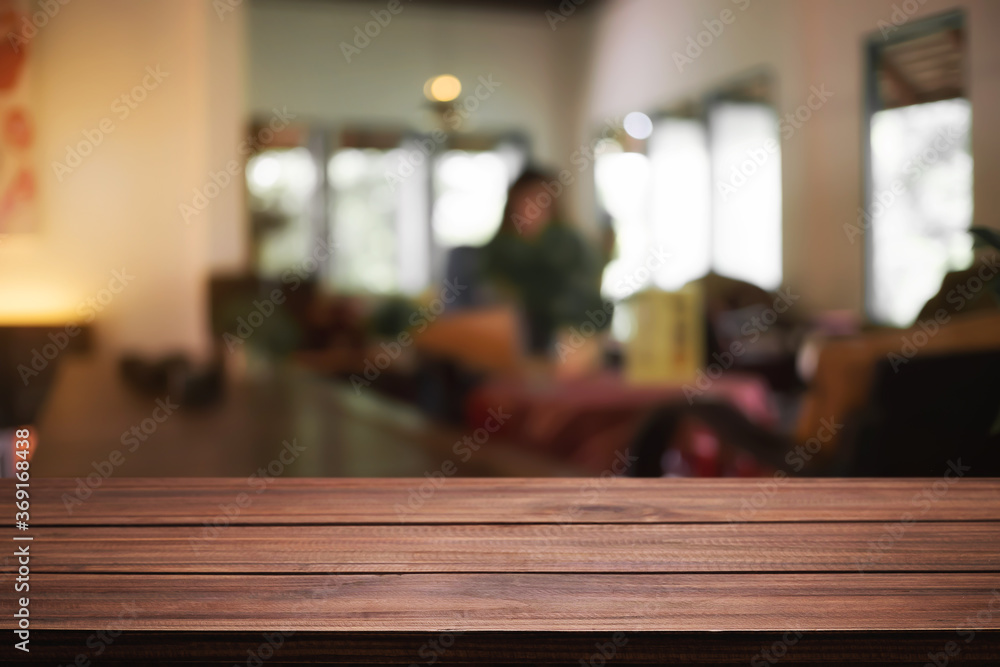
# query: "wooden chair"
x,y
841,394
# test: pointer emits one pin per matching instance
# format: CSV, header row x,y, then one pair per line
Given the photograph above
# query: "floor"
x,y
280,419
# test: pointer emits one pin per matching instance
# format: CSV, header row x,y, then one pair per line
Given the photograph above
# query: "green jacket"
x,y
555,276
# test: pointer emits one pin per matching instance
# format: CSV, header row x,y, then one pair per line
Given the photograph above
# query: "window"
x,y
470,191
682,198
746,201
281,183
919,186
390,204
622,181
364,212
705,189
395,211
378,218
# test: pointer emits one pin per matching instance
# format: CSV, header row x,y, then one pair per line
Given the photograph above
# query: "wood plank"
x,y
514,602
625,548
466,500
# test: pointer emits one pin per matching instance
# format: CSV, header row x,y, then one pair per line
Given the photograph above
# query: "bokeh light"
x,y
443,88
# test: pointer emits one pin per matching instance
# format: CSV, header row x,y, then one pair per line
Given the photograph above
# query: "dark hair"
x,y
530,176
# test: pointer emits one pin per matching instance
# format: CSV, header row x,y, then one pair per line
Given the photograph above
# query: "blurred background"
x,y
523,238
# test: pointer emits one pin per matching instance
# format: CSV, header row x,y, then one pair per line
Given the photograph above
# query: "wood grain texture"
x,y
165,501
649,548
522,571
561,602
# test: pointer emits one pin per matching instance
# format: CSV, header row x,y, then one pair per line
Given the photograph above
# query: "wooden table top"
x,y
678,569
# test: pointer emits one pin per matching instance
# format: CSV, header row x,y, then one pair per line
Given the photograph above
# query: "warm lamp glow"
x,y
443,88
38,307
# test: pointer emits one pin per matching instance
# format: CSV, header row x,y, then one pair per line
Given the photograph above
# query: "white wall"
x,y
296,61
120,207
806,43
226,59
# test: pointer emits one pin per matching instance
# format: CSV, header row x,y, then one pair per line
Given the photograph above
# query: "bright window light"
x,y
622,181
264,172
921,204
282,183
681,200
746,183
363,211
470,192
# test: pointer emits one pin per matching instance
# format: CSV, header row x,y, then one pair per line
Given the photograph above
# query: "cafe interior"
x,y
486,238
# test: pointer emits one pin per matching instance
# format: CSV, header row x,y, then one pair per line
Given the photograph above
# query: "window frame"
x,y
871,101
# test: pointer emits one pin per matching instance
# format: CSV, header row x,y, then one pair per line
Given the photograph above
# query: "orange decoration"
x,y
17,128
12,52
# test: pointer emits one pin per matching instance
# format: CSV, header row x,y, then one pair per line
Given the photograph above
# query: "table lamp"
x,y
32,343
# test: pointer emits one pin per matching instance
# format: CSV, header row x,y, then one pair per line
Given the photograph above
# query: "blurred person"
x,y
962,291
536,261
